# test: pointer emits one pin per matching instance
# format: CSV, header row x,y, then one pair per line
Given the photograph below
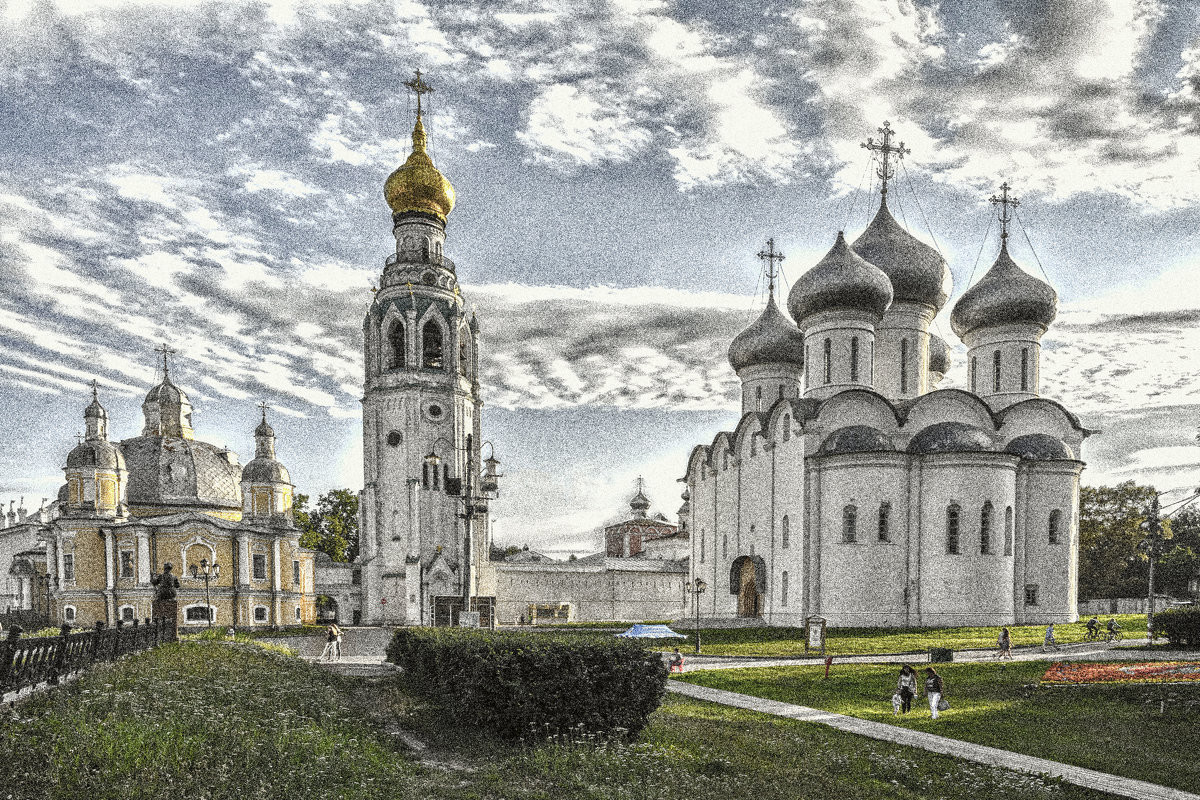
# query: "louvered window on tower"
x,y
431,346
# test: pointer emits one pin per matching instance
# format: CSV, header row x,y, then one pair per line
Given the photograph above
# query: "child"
x,y
676,661
896,701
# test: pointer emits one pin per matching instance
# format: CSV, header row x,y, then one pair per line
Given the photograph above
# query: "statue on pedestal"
x,y
165,585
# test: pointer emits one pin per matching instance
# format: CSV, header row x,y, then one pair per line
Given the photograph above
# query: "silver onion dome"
x,y
843,281
1039,447
770,339
918,272
1006,295
855,439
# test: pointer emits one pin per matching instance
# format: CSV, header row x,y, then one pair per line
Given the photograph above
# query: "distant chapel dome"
x,y
770,339
939,355
1005,295
855,439
917,272
417,185
951,437
843,281
1039,447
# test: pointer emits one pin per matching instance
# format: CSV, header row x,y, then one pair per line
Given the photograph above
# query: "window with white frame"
x,y
199,613
786,531
127,564
297,613
68,566
68,613
128,613
260,613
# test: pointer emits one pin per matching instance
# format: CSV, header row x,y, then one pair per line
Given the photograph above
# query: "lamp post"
x,y
697,588
206,572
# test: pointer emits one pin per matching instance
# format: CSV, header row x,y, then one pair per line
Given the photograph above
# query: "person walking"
x,y
1049,642
1005,644
337,642
934,690
331,634
907,687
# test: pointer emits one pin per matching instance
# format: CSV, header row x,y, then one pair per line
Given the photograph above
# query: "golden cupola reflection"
x,y
417,186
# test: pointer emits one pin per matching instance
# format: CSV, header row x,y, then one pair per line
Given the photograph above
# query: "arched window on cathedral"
x,y
396,351
974,383
753,444
431,345
995,370
828,361
463,356
1055,522
787,427
425,250
807,363
903,366
783,588
953,512
854,359
1008,531
850,524
885,521
985,528
785,532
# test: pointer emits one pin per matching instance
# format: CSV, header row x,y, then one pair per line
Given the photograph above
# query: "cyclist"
x,y
1114,630
1093,629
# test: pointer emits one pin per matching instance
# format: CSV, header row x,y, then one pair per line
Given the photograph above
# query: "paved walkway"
x,y
1088,778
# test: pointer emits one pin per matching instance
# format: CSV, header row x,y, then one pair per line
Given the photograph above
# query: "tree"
x,y
332,527
1181,555
1110,562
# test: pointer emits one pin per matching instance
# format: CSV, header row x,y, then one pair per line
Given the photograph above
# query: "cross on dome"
x,y
95,389
1004,201
419,87
263,407
165,351
886,148
770,256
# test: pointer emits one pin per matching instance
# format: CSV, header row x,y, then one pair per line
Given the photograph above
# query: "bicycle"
x,y
1092,635
1113,636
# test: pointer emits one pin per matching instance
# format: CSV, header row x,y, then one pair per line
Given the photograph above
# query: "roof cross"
x,y
263,407
770,256
95,389
419,87
165,351
79,436
885,147
1005,201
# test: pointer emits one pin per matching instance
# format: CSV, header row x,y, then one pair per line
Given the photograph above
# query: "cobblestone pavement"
x,y
1088,778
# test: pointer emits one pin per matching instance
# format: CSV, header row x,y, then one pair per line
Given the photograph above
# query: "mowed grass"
x,y
217,720
1137,731
785,642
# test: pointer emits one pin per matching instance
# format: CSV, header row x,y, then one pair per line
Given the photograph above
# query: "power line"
x,y
979,255
917,200
1025,233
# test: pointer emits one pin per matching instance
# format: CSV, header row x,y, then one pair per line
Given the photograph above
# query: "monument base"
x,y
168,609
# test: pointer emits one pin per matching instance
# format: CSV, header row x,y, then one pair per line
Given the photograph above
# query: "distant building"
x,y
644,535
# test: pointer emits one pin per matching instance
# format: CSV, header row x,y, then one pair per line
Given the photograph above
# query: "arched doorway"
x,y
748,580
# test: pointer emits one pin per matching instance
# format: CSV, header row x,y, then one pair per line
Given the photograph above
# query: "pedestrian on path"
x,y
1005,644
1049,642
933,690
337,642
907,687
331,637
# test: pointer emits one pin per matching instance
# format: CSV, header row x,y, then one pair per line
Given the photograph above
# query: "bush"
x,y
1180,625
938,655
521,685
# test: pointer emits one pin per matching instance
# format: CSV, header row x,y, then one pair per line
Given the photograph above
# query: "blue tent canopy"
x,y
651,632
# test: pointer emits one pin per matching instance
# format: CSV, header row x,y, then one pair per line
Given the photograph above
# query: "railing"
x,y
28,662
418,260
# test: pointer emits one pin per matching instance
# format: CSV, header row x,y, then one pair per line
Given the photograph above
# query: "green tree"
x,y
1181,556
331,527
1110,562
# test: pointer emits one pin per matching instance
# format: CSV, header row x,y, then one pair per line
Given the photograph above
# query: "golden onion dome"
x,y
417,185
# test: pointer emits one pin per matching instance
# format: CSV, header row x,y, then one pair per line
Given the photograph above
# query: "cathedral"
x,y
853,489
129,508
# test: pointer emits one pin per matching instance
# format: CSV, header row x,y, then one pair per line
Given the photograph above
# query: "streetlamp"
x,y
697,588
207,572
45,581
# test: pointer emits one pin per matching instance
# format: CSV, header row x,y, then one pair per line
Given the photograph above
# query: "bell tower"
x,y
422,535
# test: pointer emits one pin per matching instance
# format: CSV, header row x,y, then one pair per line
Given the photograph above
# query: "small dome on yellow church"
x,y
417,185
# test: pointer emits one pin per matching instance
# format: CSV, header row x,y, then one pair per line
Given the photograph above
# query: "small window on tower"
x,y
854,359
260,567
828,361
396,345
995,370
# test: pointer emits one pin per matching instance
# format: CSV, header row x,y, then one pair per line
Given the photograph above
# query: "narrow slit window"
x,y
1024,369
786,532
903,366
885,521
854,359
396,345
1055,522
985,529
995,370
974,383
828,361
431,345
952,518
1008,531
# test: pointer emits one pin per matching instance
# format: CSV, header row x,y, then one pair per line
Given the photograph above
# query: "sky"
x,y
210,175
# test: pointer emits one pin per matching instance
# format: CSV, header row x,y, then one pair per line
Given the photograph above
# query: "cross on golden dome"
x,y
770,256
419,87
1004,201
886,148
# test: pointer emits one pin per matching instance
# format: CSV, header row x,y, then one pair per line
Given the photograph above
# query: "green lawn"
x,y
216,720
1117,729
765,641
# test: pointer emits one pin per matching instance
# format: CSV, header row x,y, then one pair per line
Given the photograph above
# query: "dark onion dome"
x,y
770,339
264,429
96,454
855,439
939,355
639,504
265,470
951,437
1039,447
181,472
1006,295
841,280
64,493
918,272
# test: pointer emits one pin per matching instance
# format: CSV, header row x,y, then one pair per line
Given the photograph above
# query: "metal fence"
x,y
45,659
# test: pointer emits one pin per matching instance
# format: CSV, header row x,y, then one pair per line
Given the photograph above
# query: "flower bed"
x,y
1078,672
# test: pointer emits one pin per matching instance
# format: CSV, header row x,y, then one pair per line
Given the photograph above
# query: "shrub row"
x,y
1180,625
522,684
